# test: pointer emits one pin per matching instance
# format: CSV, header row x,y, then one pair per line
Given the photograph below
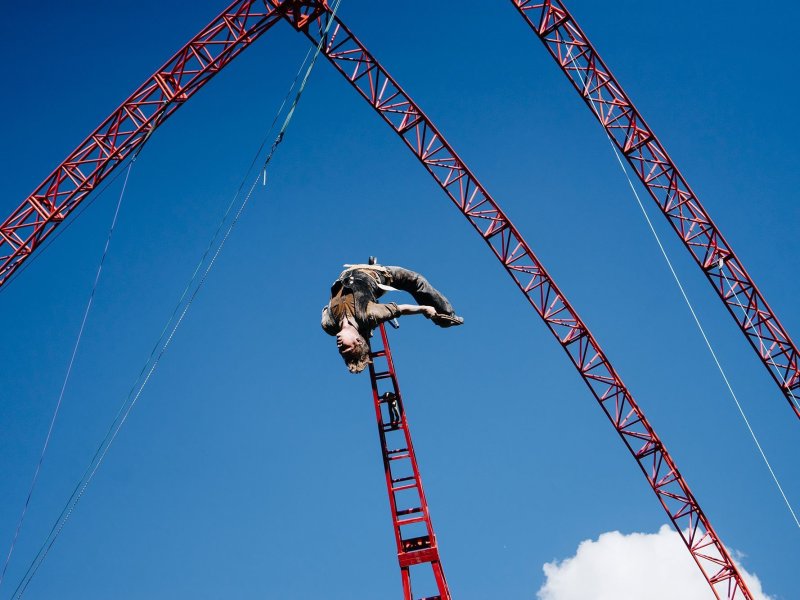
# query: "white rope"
x,y
75,347
685,296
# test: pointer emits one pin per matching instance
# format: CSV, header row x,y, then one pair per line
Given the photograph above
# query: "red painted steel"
x,y
413,531
383,93
609,103
128,127
205,55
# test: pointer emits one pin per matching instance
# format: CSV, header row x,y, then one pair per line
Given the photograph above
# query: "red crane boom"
x,y
206,54
398,110
589,75
128,127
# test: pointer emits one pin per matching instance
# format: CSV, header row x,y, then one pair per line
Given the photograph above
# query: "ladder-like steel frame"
x,y
363,71
411,519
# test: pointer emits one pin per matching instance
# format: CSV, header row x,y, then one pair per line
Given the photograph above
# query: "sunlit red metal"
x,y
220,42
128,127
376,86
578,59
416,542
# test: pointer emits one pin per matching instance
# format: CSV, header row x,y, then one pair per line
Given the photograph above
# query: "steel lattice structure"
x,y
625,126
411,519
128,127
237,27
406,118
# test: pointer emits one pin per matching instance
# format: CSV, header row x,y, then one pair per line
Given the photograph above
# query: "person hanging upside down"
x,y
354,311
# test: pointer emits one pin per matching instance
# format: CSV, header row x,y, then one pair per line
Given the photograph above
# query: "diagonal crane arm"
x,y
625,126
351,58
128,127
220,42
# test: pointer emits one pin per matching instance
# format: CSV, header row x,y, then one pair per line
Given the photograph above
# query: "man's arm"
x,y
330,326
379,313
413,309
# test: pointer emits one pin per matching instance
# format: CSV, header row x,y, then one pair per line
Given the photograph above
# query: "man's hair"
x,y
358,359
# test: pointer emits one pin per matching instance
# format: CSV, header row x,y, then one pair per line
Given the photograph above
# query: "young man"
x,y
354,311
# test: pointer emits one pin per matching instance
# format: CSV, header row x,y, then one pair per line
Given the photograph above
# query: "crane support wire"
x,y
75,347
73,217
691,307
557,29
129,403
708,344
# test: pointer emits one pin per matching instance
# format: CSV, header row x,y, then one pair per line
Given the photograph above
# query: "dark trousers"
x,y
422,291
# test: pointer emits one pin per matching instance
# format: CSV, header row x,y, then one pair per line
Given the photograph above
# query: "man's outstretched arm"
x,y
413,309
380,313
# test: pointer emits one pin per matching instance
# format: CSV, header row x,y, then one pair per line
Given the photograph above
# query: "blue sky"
x,y
250,466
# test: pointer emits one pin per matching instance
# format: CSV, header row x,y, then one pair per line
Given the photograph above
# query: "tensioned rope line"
x,y
710,347
684,294
75,347
122,415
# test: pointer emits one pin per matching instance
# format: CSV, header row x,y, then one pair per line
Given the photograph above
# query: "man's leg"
x,y
422,291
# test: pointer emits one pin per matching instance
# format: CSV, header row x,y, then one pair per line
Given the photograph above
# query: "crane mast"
x,y
417,549
236,28
576,56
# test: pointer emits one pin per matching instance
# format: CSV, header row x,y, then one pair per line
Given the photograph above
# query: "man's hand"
x,y
428,311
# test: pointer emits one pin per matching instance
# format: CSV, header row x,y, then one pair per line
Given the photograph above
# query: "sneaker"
x,y
447,320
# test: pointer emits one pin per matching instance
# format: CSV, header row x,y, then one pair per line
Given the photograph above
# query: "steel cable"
x,y
75,347
132,398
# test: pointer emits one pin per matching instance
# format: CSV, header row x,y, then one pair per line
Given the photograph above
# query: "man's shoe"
x,y
447,320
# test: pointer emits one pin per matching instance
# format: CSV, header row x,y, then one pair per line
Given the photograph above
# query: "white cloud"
x,y
655,566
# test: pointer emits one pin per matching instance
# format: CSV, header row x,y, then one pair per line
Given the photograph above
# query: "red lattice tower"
x,y
416,542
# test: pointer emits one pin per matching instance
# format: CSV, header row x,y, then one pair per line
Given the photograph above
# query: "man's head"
x,y
353,348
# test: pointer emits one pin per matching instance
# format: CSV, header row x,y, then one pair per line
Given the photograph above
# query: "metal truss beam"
x,y
591,78
128,127
220,42
351,58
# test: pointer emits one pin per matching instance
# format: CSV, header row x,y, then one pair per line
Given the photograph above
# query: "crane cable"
x,y
75,347
129,402
572,61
